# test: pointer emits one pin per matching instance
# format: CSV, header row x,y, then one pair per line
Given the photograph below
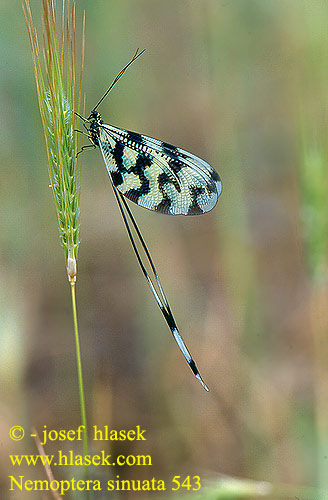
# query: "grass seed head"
x,y
55,75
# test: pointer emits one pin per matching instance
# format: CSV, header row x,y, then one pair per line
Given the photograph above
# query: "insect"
x,y
156,176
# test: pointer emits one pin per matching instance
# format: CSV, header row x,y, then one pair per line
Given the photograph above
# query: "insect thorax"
x,y
95,124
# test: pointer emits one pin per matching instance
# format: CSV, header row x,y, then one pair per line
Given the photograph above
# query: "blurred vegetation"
x,y
243,85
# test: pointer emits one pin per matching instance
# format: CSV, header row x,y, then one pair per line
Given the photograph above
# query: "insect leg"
x,y
93,146
80,132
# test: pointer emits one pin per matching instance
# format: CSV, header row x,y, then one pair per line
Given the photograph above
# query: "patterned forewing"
x,y
157,175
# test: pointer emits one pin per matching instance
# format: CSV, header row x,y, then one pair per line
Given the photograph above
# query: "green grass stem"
x,y
55,75
79,369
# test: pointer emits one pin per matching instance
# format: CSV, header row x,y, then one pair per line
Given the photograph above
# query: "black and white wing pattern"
x,y
160,177
157,175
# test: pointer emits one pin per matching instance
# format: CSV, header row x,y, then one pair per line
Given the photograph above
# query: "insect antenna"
x,y
137,54
159,297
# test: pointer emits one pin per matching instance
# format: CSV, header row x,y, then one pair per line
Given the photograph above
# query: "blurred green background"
x,y
242,84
